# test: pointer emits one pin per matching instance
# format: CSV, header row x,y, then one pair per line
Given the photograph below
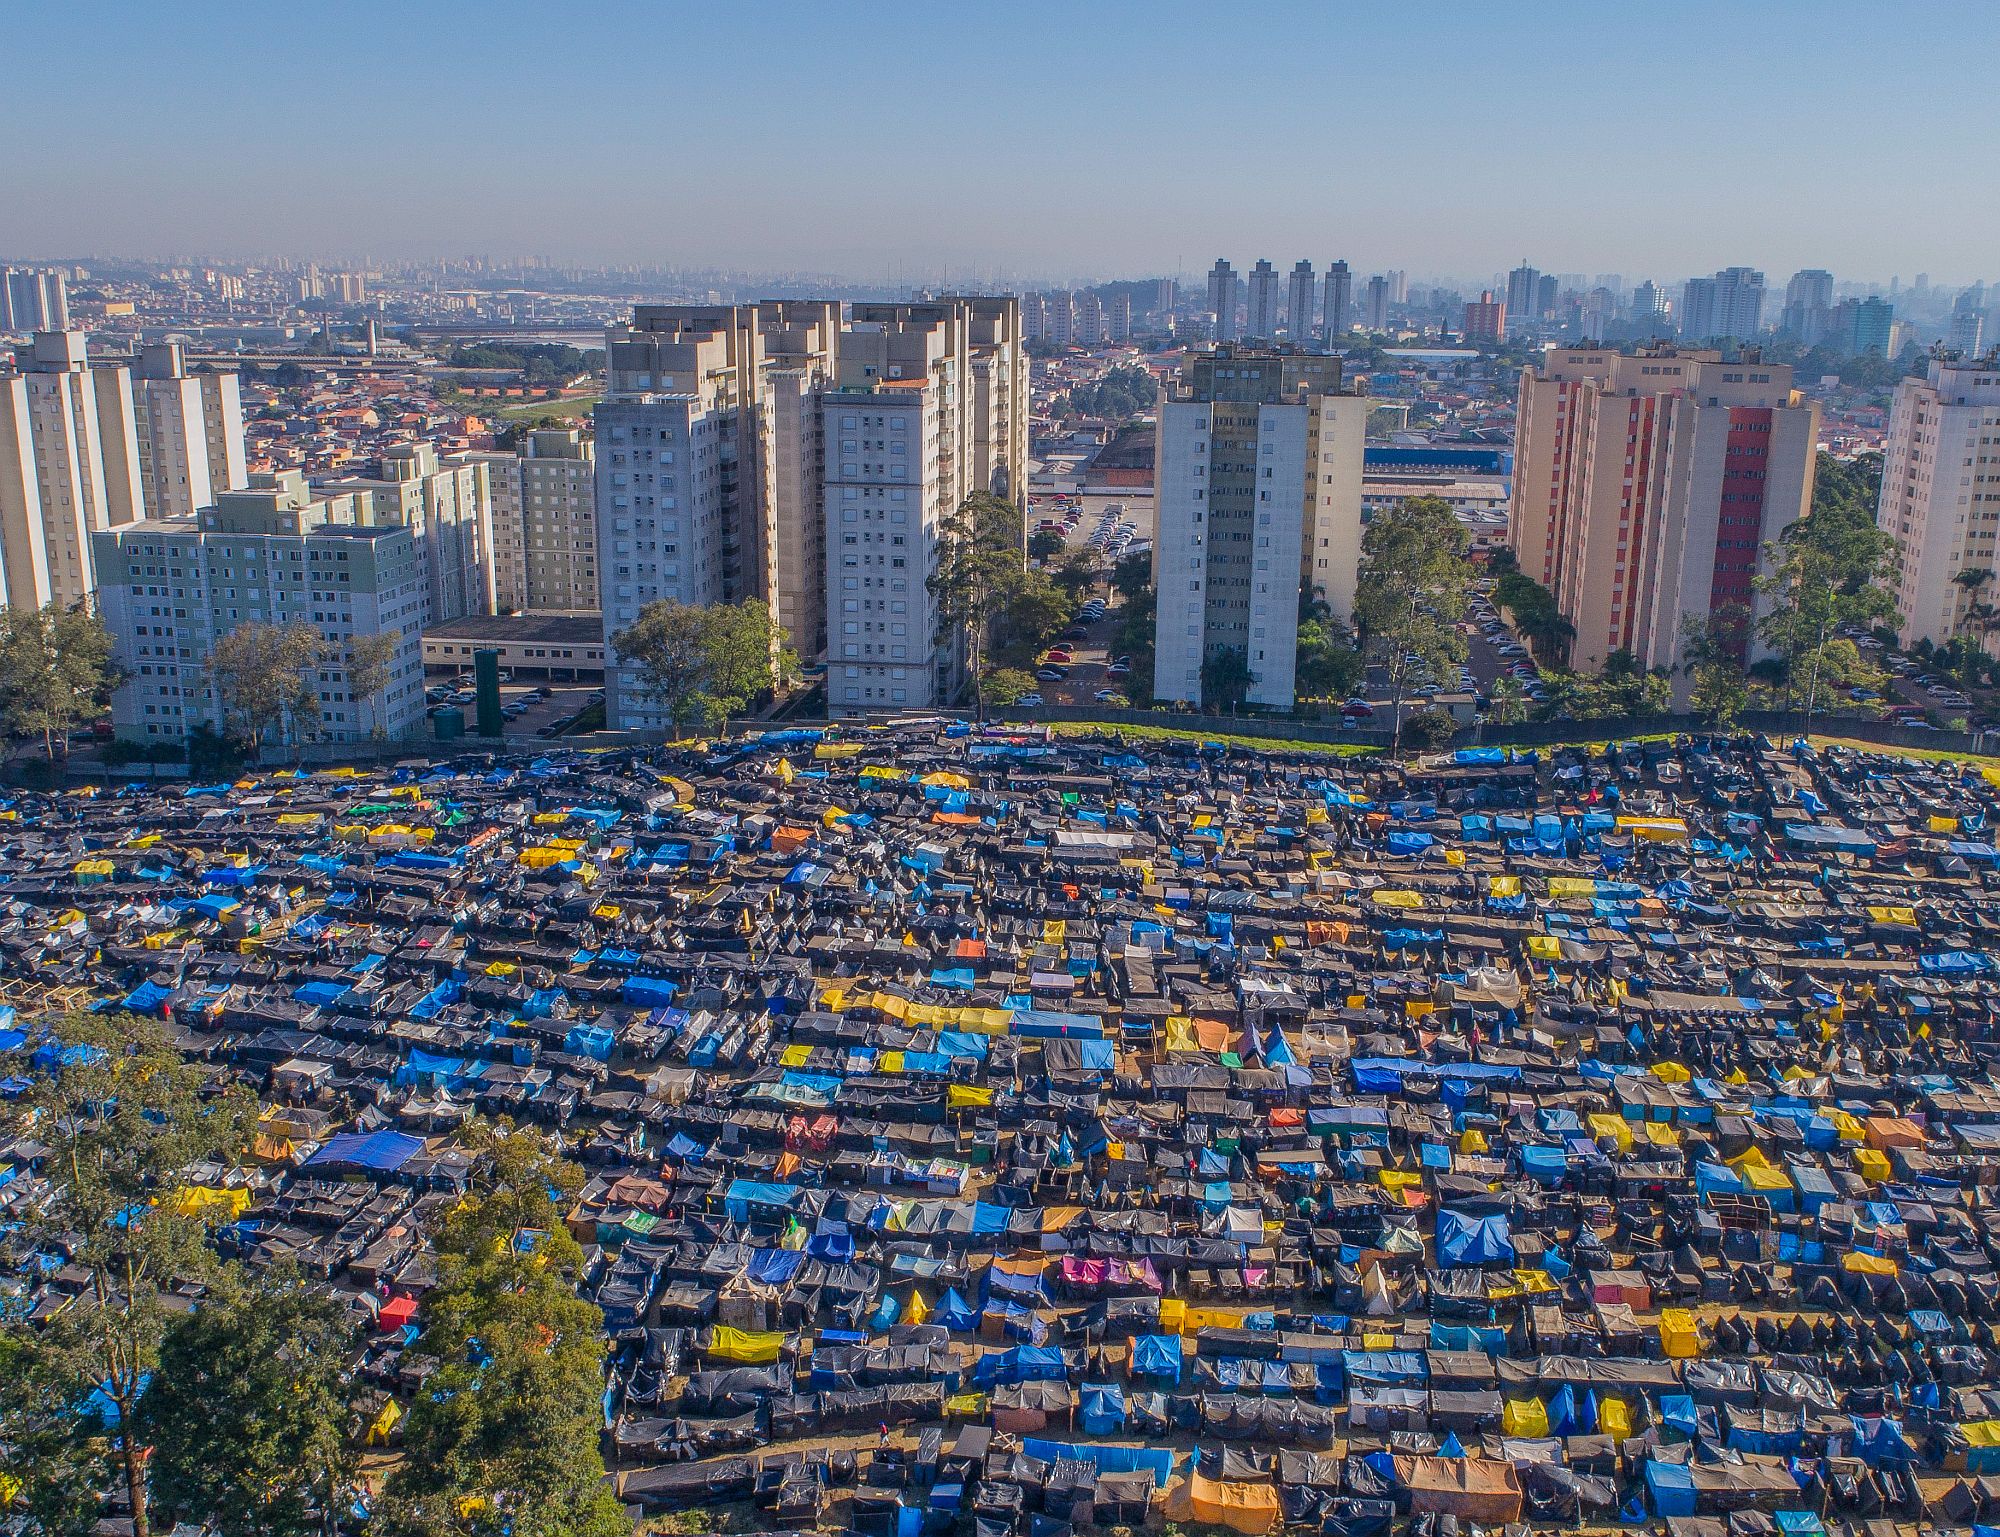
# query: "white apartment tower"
x,y
1261,323
1258,499
69,466
1300,302
447,504
1222,299
190,429
1941,493
544,498
271,553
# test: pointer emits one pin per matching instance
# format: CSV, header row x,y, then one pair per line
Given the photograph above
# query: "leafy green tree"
x,y
1004,686
1132,576
1033,611
703,664
268,678
56,1458
1430,729
1411,595
1510,702
1536,618
1827,572
1327,667
1134,638
503,1439
1226,678
1120,392
979,569
1712,648
126,1123
1044,544
55,670
252,1413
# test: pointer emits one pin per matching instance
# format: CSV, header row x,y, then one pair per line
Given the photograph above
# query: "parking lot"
x,y
1080,665
530,708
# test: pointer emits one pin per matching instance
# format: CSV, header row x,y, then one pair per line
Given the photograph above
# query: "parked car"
x,y
1030,700
1109,696
1051,674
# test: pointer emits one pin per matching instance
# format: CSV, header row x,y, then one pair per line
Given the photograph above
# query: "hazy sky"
x,y
1013,139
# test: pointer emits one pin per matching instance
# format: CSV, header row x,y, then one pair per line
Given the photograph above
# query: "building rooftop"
x,y
558,629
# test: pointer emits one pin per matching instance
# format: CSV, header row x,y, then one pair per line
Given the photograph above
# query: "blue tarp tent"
x,y
1156,1460
1671,1487
1464,1240
1157,1355
378,1152
1102,1411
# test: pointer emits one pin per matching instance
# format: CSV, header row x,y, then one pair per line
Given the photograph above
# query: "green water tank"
x,y
449,724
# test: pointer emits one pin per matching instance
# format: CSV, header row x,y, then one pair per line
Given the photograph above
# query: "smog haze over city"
x,y
921,143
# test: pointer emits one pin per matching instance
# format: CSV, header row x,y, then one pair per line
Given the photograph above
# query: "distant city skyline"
x,y
667,135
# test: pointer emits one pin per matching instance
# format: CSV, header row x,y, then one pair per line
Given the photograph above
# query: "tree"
x,y
1536,618
58,1459
1132,576
1226,677
1430,729
369,658
1825,573
1411,593
1004,686
703,663
252,1412
1510,702
1119,392
1033,611
1044,544
1327,668
506,1427
978,569
268,678
55,670
1712,647
126,1122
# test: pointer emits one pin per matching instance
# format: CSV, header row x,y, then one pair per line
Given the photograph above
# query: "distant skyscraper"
x,y
1486,319
1523,293
1399,285
1089,324
1258,494
1337,312
1301,302
1262,305
1545,295
1377,303
1726,307
1167,297
1650,305
1222,299
1871,329
1808,311
1964,332
1118,317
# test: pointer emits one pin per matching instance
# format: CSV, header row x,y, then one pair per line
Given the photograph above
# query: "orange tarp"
x,y
1471,1488
1248,1508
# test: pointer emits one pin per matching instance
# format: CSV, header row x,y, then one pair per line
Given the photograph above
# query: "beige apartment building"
x,y
1646,486
190,431
544,499
447,504
713,464
69,466
1941,494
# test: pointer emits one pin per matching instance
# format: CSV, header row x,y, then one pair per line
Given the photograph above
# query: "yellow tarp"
x,y
1544,947
1053,930
1679,1340
95,867
1503,885
210,1204
946,779
884,771
1523,1417
1613,1418
1398,898
1981,1432
1893,914
1867,1264
1615,1127
1755,1178
968,1096
1672,1072
1871,1165
1248,1508
1572,886
1944,824
752,1347
1654,829
384,1422
837,750
795,1055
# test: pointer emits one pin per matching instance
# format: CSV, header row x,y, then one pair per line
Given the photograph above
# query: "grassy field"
x,y
1177,734
533,413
